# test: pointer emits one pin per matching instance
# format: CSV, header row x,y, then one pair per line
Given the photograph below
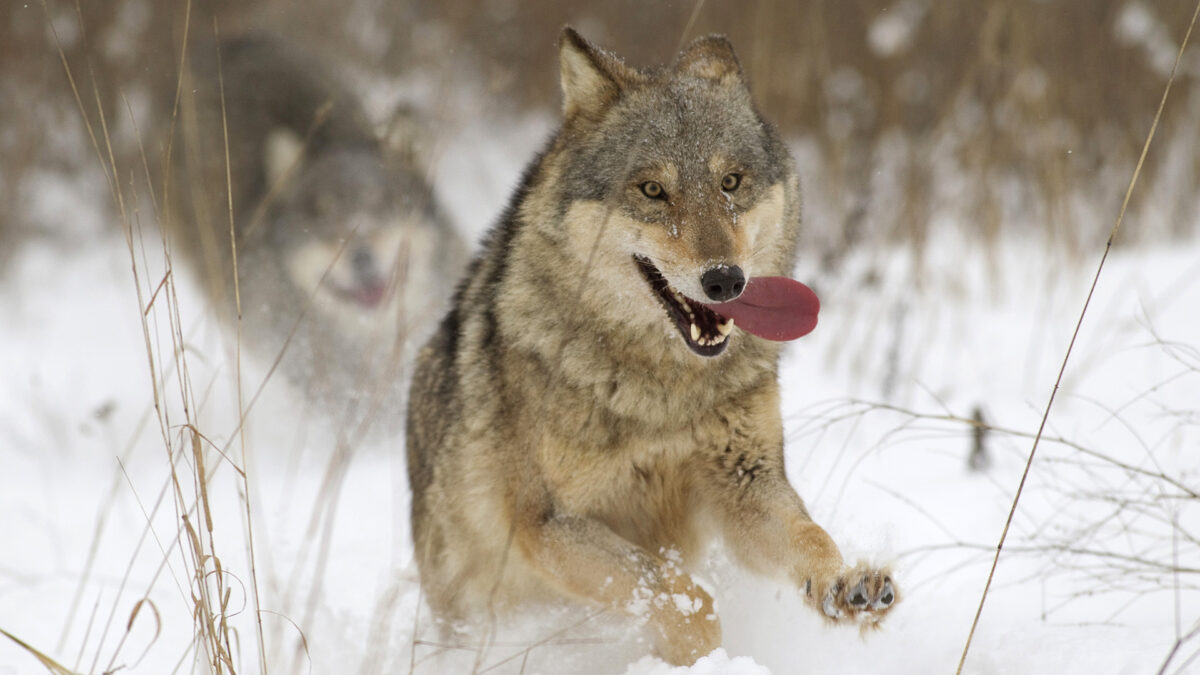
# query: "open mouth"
x,y
704,331
366,294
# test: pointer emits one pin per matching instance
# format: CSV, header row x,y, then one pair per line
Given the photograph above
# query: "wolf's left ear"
x,y
405,138
710,58
592,78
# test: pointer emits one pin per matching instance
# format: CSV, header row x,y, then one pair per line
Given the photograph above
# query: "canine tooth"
x,y
695,333
725,327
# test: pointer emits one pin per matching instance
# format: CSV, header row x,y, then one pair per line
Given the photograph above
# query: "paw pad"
x,y
886,597
865,600
858,595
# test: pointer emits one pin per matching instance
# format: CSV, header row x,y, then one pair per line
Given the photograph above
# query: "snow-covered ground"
x,y
1100,571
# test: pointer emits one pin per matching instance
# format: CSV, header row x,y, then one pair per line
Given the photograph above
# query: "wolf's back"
x,y
246,88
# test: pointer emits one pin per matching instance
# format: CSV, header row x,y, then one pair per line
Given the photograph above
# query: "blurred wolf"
x,y
341,251
602,399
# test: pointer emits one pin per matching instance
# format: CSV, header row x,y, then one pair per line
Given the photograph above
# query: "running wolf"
x,y
340,247
602,399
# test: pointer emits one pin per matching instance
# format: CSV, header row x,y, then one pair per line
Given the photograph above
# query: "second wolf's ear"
x,y
281,153
710,58
592,78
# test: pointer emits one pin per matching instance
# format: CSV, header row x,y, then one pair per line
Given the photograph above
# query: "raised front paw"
x,y
860,594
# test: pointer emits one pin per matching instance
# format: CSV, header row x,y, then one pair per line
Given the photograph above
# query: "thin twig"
x,y
1078,325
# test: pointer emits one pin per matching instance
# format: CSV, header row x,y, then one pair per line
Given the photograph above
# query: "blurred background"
x,y
962,164
1022,114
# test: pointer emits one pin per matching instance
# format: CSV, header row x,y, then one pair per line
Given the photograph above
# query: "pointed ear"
x,y
281,153
592,78
406,138
710,58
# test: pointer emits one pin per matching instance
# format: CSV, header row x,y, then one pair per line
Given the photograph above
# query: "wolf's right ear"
x,y
592,78
711,58
281,153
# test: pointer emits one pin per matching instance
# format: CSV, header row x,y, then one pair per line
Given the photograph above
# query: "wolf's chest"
x,y
643,490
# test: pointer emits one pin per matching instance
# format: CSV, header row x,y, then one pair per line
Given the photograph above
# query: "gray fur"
x,y
561,437
345,214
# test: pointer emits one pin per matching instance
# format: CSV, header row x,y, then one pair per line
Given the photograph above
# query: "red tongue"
x,y
775,308
367,294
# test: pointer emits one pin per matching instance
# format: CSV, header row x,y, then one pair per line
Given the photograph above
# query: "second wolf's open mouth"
x,y
366,294
703,330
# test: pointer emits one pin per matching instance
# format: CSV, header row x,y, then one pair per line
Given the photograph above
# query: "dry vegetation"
x,y
1044,101
1036,105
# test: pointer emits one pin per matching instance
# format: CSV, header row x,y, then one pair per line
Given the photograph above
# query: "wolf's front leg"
x,y
766,525
587,561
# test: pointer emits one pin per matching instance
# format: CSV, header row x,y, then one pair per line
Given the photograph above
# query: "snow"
x,y
874,403
717,663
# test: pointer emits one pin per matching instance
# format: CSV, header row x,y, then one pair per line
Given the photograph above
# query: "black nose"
x,y
363,262
723,283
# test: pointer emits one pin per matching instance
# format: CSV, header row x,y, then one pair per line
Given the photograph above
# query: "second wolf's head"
x,y
688,188
353,231
341,251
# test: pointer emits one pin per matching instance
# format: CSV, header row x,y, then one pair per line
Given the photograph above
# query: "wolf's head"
x,y
697,194
346,223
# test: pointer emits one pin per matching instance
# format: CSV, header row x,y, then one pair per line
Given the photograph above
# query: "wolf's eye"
x,y
730,182
653,190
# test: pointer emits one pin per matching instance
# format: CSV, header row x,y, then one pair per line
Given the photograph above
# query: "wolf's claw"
x,y
829,606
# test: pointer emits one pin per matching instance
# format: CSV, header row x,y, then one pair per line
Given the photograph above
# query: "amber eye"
x,y
653,190
730,182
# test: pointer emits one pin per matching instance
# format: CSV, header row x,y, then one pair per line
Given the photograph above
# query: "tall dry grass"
x,y
1035,105
1034,99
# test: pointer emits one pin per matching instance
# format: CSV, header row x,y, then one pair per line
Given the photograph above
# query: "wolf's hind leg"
x,y
587,561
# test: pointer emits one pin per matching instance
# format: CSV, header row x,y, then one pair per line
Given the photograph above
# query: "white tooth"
x,y
725,327
718,339
695,333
